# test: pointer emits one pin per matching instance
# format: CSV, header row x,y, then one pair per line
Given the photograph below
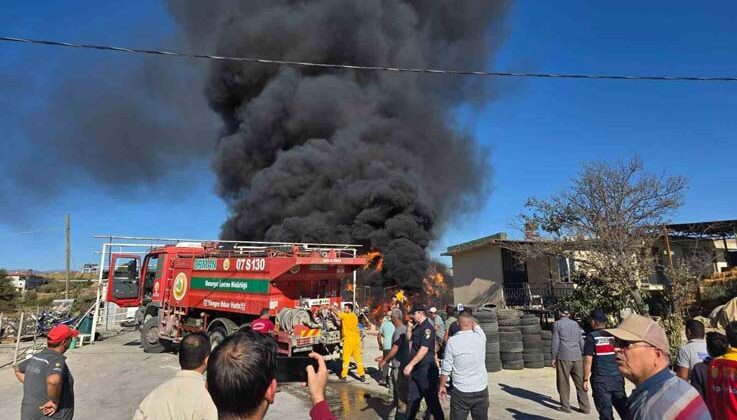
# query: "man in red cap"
x,y
48,386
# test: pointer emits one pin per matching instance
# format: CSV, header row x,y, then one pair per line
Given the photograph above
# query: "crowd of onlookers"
x,y
426,357
703,386
235,381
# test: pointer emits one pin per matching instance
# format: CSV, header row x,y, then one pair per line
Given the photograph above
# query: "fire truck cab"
x,y
219,287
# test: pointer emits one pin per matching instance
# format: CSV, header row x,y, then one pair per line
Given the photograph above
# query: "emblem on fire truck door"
x,y
180,286
226,264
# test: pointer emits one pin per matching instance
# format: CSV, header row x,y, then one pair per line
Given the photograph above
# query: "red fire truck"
x,y
219,287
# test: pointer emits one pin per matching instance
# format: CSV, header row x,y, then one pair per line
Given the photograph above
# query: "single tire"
x,y
546,334
485,320
533,320
486,316
216,336
492,336
532,357
510,336
508,314
513,365
511,322
510,329
487,307
532,339
532,349
493,358
150,339
511,346
494,367
534,365
489,327
511,357
530,329
492,347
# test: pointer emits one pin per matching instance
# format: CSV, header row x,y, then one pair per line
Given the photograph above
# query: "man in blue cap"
x,y
422,371
600,370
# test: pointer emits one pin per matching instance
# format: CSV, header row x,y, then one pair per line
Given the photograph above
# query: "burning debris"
x,y
326,155
434,285
376,259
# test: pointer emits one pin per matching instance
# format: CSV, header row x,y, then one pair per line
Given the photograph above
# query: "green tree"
x,y
8,294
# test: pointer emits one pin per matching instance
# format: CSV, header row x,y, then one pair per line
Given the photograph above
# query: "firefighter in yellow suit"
x,y
351,341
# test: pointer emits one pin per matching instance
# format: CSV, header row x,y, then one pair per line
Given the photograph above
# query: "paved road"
x,y
114,375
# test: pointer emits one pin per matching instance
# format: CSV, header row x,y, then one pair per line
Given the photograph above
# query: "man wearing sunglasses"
x,y
641,348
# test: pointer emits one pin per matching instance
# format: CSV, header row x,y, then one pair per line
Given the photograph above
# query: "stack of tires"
x,y
487,318
510,339
547,346
532,353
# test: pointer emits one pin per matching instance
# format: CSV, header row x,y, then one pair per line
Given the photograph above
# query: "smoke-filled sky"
x,y
56,106
339,156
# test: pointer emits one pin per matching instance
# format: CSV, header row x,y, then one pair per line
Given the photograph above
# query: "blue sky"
x,y
539,131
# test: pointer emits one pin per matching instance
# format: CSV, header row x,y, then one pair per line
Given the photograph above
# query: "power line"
x,y
371,68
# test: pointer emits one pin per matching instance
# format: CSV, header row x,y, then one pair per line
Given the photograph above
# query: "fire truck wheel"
x,y
150,336
216,335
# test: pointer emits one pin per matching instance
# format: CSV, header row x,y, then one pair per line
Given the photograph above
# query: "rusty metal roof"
x,y
716,228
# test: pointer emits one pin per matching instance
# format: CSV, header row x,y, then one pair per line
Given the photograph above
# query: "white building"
x,y
26,280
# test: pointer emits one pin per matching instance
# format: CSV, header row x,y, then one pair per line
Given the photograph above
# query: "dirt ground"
x,y
114,375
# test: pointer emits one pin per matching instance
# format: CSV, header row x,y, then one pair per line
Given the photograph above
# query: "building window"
x,y
566,268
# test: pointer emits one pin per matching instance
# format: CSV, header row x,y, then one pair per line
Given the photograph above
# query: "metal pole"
x,y
67,222
96,312
354,282
667,247
17,341
726,251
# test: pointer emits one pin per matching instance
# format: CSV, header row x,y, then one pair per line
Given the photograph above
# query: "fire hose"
x,y
289,318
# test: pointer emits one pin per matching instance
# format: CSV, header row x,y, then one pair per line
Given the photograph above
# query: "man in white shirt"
x,y
183,397
465,364
694,351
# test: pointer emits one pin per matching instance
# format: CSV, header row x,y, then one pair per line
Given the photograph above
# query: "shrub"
x,y
8,294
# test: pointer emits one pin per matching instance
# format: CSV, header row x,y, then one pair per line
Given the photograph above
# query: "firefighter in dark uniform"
x,y
421,369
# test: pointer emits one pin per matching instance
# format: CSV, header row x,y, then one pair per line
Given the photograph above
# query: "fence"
x,y
24,333
113,315
536,295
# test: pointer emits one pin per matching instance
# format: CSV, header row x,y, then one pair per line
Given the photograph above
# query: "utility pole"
x,y
68,229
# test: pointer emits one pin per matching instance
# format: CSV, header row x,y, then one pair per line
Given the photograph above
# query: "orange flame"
x,y
374,257
377,313
434,284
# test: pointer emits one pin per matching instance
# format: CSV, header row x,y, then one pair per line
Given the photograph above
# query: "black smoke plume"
x,y
123,123
324,155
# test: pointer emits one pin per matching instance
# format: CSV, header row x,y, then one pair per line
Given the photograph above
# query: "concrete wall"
x,y
477,275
